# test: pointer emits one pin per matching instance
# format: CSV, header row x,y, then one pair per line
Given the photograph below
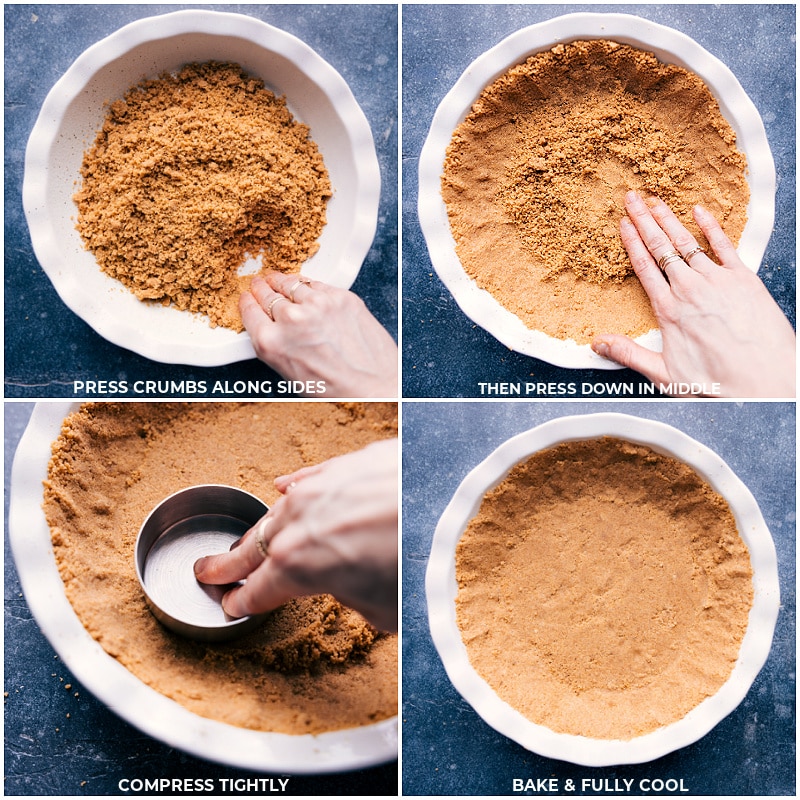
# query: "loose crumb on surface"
x,y
603,589
535,179
191,174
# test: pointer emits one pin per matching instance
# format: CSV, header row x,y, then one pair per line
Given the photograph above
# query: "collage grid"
x,y
462,392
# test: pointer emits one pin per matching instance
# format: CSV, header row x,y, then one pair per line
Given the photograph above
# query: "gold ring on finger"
x,y
668,258
296,285
693,252
270,306
261,545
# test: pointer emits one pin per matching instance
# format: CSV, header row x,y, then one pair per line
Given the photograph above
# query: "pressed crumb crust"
x,y
190,175
604,589
535,179
314,665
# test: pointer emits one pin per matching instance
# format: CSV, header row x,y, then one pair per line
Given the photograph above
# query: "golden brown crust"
x,y
604,589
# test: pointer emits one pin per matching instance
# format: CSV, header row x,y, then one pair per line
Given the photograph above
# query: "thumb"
x,y
628,353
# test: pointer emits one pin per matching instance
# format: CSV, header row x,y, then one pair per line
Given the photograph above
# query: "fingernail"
x,y
226,598
200,565
632,197
651,201
601,348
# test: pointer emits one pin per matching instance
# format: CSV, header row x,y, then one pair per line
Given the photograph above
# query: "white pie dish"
x,y
73,112
669,46
441,591
121,691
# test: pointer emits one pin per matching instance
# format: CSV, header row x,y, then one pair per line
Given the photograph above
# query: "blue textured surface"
x,y
448,749
47,347
444,353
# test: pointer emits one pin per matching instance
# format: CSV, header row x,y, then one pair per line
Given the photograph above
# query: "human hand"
x,y
334,531
310,331
718,322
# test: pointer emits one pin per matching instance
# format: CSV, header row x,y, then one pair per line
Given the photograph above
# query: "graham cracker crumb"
x,y
191,174
535,179
314,665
